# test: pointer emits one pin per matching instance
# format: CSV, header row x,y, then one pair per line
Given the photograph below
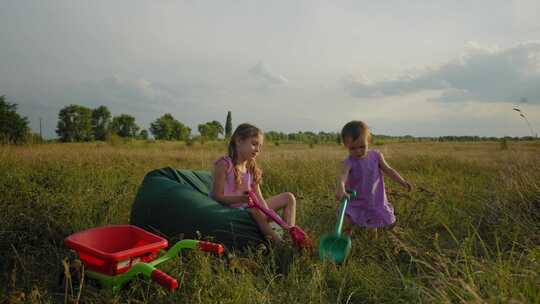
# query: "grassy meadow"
x,y
469,233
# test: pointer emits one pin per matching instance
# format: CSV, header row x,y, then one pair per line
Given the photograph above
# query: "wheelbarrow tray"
x,y
114,249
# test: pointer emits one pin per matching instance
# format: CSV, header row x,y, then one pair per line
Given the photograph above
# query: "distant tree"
x,y
143,135
204,131
13,127
210,130
217,128
271,135
74,124
101,121
161,128
180,131
168,128
292,137
228,125
124,126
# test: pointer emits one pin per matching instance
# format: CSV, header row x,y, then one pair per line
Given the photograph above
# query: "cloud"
x,y
191,103
120,94
139,94
485,74
262,73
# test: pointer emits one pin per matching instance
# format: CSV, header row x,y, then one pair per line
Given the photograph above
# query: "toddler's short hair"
x,y
354,129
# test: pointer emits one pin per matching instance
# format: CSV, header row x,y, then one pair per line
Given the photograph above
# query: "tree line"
x,y
78,124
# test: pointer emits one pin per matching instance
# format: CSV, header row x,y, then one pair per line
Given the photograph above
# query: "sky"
x,y
421,68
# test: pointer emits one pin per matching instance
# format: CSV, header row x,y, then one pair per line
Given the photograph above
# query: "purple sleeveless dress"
x,y
230,187
370,208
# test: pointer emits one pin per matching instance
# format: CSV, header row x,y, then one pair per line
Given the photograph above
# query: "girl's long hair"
x,y
243,132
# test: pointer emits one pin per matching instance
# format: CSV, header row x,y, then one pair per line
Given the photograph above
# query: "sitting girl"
x,y
237,173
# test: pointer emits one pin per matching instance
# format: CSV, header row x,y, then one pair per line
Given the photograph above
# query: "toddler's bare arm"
x,y
393,174
343,173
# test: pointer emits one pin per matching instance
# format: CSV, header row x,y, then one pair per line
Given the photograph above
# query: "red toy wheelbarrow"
x,y
113,255
299,237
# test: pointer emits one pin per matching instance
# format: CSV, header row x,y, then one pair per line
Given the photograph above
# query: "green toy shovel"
x,y
335,246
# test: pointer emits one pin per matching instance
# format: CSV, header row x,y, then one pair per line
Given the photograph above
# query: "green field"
x,y
472,236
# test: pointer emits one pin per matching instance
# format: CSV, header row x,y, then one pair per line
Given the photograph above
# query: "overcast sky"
x,y
425,68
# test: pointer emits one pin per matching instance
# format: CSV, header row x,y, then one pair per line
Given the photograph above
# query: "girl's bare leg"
x,y
285,201
265,227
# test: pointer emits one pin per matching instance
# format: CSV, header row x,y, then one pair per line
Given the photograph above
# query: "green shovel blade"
x,y
334,247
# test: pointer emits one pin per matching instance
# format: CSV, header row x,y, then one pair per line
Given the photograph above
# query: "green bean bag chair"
x,y
175,203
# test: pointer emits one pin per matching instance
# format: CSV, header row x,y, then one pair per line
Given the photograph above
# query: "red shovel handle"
x,y
254,203
211,247
164,279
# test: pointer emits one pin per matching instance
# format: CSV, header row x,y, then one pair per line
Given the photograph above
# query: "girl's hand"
x,y
244,198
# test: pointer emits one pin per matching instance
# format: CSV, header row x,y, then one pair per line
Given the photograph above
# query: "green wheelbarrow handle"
x,y
149,269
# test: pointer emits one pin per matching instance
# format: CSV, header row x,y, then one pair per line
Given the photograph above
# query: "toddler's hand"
x,y
341,193
408,186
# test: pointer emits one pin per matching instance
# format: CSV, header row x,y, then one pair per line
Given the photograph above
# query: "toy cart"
x,y
113,255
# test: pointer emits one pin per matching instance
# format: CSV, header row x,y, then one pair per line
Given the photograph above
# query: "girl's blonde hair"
x,y
243,132
354,129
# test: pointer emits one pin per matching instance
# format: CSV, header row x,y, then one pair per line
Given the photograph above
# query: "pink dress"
x,y
370,208
230,187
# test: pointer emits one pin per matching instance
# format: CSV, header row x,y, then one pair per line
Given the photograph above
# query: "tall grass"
x,y
469,234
